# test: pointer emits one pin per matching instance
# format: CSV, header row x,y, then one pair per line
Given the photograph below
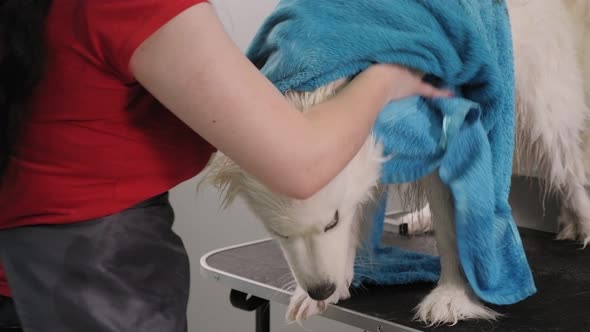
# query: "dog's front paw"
x,y
448,304
301,306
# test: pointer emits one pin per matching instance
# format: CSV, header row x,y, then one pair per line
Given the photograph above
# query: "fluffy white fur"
x,y
551,120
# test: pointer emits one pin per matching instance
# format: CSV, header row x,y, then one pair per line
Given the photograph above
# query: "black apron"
x,y
121,273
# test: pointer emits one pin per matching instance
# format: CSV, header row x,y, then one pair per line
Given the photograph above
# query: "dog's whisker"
x,y
368,264
290,286
370,278
286,277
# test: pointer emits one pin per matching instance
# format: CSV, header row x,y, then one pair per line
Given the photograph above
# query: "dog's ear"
x,y
225,175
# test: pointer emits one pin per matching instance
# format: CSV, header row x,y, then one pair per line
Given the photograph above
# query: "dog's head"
x,y
318,235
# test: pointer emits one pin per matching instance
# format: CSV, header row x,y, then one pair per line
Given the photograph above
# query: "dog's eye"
x,y
279,235
333,223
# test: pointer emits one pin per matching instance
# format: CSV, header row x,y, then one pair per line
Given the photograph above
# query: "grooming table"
x,y
561,271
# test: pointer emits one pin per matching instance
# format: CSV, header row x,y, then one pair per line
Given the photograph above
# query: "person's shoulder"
x,y
118,27
119,6
133,12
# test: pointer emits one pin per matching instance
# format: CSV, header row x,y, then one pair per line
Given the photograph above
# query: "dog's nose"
x,y
322,291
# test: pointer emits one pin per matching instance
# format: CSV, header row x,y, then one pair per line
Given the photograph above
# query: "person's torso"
x,y
92,142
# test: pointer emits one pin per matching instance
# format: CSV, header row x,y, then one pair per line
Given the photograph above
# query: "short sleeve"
x,y
118,27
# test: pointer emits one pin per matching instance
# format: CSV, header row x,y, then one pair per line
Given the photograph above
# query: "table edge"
x,y
273,294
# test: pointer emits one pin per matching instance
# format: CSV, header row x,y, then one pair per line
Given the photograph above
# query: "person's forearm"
x,y
343,123
208,83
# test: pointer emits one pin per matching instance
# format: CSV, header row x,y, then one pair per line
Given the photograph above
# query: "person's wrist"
x,y
385,79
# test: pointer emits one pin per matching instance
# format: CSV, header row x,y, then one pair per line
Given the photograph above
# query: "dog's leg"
x,y
559,159
453,299
551,108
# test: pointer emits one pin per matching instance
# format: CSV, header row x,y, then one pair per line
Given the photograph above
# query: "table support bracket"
x,y
241,301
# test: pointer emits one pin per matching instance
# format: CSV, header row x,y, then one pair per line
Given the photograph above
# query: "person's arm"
x,y
194,69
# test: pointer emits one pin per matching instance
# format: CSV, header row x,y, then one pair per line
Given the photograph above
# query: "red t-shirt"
x,y
93,141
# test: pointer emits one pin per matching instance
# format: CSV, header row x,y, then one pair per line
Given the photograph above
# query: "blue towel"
x,y
389,265
464,45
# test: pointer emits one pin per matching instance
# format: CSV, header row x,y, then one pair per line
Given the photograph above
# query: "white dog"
x,y
319,236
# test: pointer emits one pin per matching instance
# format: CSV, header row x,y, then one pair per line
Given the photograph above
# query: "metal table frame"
x,y
261,296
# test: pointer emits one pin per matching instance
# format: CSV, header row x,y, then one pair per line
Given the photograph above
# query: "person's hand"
x,y
406,83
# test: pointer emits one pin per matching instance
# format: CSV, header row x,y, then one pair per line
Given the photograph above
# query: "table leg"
x,y
241,301
263,318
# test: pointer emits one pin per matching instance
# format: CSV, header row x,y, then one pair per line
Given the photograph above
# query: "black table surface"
x,y
561,271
